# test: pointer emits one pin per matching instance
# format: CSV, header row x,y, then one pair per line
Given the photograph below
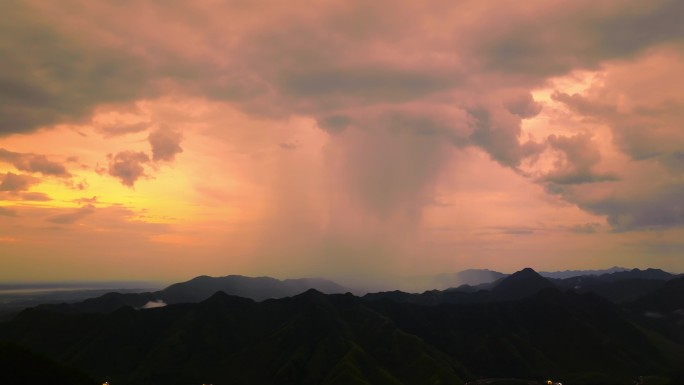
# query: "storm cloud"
x,y
62,77
353,135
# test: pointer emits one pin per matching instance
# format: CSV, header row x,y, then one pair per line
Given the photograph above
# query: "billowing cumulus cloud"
x,y
165,144
578,157
641,108
128,166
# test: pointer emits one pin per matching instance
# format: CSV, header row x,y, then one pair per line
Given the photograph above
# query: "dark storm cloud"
x,y
165,144
651,209
127,166
349,62
48,77
659,209
642,27
578,36
363,84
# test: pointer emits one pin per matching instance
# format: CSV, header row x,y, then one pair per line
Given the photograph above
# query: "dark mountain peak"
x,y
221,298
521,284
526,271
522,275
256,288
219,295
311,293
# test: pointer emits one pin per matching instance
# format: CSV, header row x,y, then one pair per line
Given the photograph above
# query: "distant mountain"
x,y
444,281
578,273
470,277
638,274
201,288
256,288
314,338
618,287
518,285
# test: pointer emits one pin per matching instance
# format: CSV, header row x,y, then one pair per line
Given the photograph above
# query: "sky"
x,y
150,140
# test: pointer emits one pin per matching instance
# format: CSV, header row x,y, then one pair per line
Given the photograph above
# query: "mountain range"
x,y
201,288
523,327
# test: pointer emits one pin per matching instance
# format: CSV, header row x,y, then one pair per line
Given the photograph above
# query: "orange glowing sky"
x,y
163,140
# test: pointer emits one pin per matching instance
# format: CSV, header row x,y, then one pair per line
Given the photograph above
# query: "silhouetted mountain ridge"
x,y
315,338
201,288
619,287
578,273
518,285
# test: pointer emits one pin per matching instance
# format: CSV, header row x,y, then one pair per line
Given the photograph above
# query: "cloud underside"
x,y
396,91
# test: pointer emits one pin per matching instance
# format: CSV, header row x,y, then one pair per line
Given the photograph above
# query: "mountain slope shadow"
x,y
307,339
